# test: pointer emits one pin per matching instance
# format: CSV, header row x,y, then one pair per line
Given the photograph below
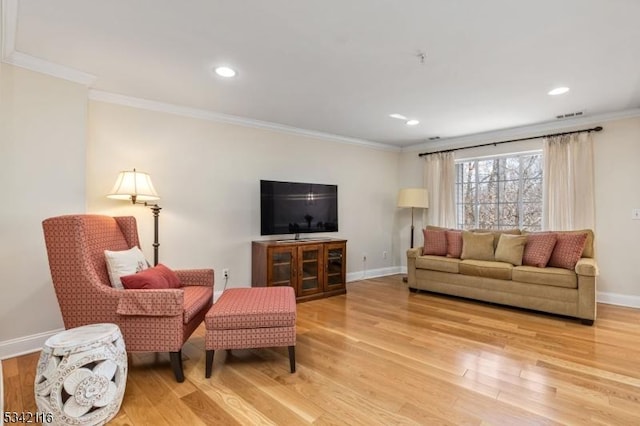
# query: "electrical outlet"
x,y
225,273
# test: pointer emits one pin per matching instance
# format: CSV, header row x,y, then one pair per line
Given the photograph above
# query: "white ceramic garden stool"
x,y
82,373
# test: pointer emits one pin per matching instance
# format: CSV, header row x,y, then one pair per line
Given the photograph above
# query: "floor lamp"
x,y
136,187
416,198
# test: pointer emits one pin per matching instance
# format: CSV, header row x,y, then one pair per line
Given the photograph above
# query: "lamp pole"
x,y
413,198
156,216
412,227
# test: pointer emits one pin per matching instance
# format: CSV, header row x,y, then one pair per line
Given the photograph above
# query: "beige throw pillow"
x,y
125,262
511,248
477,246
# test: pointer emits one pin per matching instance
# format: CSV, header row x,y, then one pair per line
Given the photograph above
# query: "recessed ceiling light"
x,y
398,116
412,122
225,72
558,91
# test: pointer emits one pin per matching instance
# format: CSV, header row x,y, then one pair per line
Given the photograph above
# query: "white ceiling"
x,y
342,66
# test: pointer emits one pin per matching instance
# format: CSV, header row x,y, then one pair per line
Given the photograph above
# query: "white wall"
x,y
42,168
617,165
208,173
617,158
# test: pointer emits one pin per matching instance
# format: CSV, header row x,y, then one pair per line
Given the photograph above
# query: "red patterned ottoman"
x,y
245,318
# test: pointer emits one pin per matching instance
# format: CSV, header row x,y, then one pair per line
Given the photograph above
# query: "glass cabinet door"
x,y
281,267
335,258
310,271
314,269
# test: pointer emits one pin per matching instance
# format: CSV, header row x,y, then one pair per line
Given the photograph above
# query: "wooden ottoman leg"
x,y
292,358
209,363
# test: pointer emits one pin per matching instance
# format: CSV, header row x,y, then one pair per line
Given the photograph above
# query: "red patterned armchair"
x,y
150,320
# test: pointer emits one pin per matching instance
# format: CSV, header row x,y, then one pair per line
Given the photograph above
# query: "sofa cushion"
x,y
477,246
588,250
510,249
435,242
538,249
255,307
556,277
454,243
488,269
438,263
568,250
196,298
497,232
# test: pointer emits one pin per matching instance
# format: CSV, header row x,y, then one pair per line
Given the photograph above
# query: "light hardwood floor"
x,y
382,355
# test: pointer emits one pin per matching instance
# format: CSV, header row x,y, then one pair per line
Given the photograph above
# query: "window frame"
x,y
476,204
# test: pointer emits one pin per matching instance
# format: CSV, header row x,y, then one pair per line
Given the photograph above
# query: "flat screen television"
x,y
296,208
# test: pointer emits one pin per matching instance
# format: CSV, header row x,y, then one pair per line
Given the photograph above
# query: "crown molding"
x,y
521,131
43,66
201,114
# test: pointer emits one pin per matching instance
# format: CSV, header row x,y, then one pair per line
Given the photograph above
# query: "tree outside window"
x,y
500,193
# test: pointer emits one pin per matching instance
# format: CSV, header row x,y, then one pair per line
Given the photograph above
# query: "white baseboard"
x,y
25,345
619,299
374,273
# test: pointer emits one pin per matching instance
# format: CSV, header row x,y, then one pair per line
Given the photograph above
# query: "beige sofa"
x,y
553,290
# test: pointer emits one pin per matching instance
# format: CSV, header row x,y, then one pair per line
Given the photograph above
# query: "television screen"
x,y
295,207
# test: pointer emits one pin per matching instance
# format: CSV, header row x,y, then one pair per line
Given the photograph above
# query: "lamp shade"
x,y
134,186
413,197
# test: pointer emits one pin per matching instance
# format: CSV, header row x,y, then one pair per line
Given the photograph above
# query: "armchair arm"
x,y
153,303
202,277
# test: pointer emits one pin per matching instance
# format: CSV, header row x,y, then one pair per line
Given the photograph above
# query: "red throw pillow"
x,y
454,243
158,277
568,250
170,275
538,249
435,242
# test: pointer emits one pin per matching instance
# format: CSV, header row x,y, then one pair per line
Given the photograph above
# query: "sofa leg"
x,y
209,363
587,321
413,290
292,358
176,365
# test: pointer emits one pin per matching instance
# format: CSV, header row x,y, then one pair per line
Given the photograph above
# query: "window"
x,y
500,193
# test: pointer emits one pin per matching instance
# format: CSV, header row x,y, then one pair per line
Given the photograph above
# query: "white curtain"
x,y
568,191
440,181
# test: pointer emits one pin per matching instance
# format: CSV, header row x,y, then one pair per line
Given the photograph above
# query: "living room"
x,y
64,142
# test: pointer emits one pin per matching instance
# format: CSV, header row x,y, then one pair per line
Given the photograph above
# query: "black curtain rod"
x,y
595,129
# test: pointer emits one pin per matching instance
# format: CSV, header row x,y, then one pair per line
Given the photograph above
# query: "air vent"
x,y
569,115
